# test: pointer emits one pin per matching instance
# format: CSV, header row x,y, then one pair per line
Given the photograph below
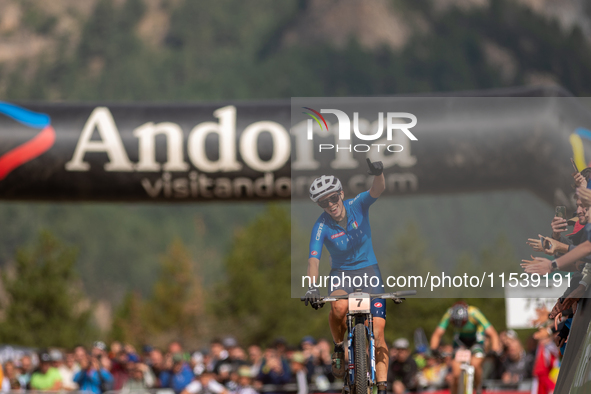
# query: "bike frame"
x,y
362,317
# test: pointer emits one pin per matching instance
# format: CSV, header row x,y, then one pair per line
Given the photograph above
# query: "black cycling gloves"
x,y
313,298
375,168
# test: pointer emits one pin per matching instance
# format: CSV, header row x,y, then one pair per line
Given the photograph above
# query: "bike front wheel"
x,y
360,345
462,382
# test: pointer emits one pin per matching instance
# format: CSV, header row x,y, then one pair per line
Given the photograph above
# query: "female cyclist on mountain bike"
x,y
344,229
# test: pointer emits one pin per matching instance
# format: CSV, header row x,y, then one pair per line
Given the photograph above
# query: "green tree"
x,y
45,306
129,322
176,305
255,300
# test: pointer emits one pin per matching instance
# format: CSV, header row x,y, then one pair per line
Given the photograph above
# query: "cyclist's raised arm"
x,y
495,343
436,338
379,182
378,186
312,272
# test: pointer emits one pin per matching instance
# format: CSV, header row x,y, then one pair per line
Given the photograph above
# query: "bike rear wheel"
x,y
360,345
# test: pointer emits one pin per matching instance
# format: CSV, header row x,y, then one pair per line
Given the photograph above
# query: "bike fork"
x,y
470,379
351,350
372,350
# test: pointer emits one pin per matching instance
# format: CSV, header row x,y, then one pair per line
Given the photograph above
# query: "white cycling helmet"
x,y
324,185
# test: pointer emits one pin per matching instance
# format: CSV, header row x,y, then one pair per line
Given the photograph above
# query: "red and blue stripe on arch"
x,y
31,149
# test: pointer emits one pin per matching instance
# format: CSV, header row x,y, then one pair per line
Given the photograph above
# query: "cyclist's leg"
x,y
337,317
338,326
338,309
476,361
378,311
379,325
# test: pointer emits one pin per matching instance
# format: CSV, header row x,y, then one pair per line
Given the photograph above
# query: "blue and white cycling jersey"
x,y
349,248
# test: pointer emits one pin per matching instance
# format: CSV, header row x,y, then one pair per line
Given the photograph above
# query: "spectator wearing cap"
x,y
180,376
92,377
175,347
205,384
515,366
45,377
299,372
506,337
236,355
197,363
224,376
232,357
99,349
402,372
245,381
140,377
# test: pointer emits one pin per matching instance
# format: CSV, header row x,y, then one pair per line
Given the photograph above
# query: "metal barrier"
x,y
138,391
336,387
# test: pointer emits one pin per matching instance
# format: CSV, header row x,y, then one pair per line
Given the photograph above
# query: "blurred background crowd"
x,y
226,366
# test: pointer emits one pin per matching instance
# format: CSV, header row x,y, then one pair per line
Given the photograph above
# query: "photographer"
x,y
92,376
45,377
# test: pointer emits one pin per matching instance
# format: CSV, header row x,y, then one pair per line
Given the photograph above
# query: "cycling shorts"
x,y
476,347
368,279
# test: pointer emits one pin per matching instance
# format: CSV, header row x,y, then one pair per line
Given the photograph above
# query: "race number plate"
x,y
463,356
359,303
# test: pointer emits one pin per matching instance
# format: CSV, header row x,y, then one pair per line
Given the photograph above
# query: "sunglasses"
x,y
333,199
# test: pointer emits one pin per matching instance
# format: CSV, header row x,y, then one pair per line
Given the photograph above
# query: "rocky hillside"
x,y
46,47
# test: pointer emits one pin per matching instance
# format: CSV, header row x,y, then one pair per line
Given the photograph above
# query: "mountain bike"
x,y
360,338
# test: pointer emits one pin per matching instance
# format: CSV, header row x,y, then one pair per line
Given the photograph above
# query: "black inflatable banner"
x,y
245,151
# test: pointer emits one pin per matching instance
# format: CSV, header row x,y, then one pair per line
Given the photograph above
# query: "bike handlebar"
x,y
398,294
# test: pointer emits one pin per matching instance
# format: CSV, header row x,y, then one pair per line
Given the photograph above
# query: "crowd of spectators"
x,y
223,368
571,249
227,368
